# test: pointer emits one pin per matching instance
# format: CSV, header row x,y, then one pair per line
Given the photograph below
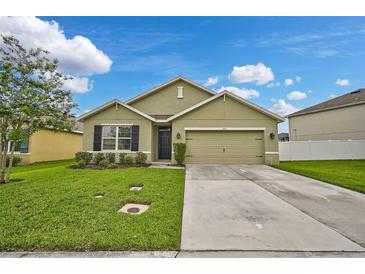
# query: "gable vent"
x,y
180,92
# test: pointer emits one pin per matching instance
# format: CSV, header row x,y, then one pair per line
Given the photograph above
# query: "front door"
x,y
164,143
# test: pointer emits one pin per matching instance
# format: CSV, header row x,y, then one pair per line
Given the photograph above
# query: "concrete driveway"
x,y
259,208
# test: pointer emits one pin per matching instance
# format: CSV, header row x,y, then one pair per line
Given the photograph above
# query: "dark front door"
x,y
164,142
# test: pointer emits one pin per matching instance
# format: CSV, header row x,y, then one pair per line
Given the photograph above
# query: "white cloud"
x,y
252,73
272,84
298,79
283,108
296,95
78,84
242,92
211,81
77,56
333,95
288,82
86,110
342,82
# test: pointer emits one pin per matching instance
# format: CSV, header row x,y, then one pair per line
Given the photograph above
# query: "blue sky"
x,y
128,55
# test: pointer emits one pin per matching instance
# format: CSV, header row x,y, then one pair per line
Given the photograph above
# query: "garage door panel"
x,y
228,147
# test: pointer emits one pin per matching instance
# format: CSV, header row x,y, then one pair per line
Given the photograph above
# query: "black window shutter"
x,y
135,138
97,138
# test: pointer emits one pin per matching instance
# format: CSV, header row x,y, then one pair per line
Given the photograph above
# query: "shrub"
x,y
179,153
98,158
81,162
110,157
122,158
141,158
112,165
104,163
85,156
128,159
16,160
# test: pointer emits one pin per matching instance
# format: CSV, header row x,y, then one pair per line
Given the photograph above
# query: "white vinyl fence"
x,y
322,150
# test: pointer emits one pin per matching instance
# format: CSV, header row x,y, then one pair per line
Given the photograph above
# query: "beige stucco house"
x,y
48,145
341,118
216,127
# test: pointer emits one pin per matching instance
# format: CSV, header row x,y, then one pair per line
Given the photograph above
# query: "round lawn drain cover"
x,y
133,210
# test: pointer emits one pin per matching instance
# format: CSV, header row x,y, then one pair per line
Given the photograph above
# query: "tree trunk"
x,y
7,178
3,159
1,150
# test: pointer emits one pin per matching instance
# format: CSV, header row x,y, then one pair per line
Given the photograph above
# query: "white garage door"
x,y
224,147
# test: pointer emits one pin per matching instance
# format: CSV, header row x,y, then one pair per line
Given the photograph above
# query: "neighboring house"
x,y
283,137
219,128
48,145
341,118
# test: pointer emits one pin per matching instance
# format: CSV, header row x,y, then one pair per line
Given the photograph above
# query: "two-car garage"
x,y
217,146
227,130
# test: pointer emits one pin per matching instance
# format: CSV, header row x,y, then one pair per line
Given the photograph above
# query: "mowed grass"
x,y
54,208
346,173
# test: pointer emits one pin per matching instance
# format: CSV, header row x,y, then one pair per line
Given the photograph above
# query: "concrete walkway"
x,y
258,208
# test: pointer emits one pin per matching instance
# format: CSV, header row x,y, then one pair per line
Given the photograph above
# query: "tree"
x,y
31,97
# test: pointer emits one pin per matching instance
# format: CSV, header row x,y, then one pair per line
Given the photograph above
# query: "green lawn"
x,y
346,173
54,208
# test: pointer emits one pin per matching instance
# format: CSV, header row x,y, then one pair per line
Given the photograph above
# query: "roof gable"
x,y
110,103
167,118
167,83
235,97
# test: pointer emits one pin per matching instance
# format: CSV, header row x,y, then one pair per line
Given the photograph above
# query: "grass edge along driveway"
x,y
345,173
54,208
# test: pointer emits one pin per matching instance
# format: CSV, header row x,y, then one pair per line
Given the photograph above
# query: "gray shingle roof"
x,y
351,98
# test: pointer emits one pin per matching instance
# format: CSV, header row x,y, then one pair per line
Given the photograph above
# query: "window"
x,y
116,137
20,147
180,92
109,137
124,137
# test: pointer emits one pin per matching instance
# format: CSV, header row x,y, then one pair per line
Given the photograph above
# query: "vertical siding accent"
x,y
97,138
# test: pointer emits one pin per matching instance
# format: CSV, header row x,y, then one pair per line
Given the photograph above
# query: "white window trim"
x,y
109,124
116,138
224,128
9,146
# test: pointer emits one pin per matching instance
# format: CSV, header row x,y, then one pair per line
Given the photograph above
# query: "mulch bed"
x,y
97,167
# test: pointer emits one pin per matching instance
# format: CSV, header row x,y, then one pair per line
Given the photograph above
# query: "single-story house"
x,y
341,118
48,145
219,128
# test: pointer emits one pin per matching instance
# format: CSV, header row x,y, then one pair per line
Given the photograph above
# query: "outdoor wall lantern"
x,y
272,136
178,135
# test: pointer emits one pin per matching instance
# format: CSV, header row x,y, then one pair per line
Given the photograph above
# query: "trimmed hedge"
x,y
179,153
